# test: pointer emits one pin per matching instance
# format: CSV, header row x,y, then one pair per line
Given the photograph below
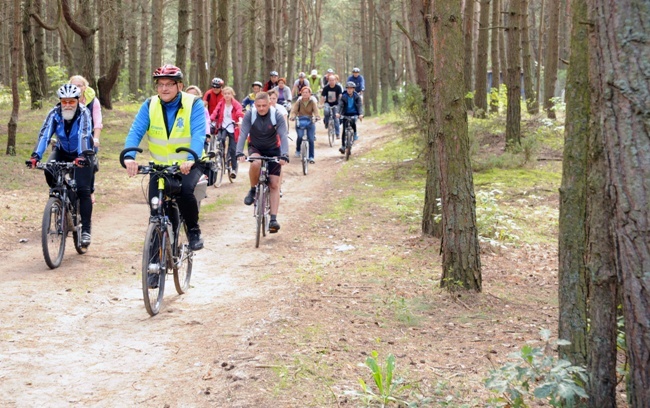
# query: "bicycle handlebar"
x,y
263,158
137,149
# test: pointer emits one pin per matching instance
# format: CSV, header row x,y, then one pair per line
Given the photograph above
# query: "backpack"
x,y
274,120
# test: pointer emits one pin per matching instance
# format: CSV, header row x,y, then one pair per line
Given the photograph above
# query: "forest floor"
x,y
289,324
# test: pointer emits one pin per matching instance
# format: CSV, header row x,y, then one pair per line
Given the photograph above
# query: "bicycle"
x,y
61,214
331,129
166,247
262,203
301,131
348,134
221,160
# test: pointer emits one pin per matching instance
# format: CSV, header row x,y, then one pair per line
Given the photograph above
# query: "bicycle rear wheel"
x,y
76,233
54,230
182,261
259,214
154,269
304,156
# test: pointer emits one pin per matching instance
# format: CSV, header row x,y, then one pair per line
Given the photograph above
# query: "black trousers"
x,y
186,200
85,179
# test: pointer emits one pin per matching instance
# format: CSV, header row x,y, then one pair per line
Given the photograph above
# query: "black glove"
x,y
240,155
285,158
81,161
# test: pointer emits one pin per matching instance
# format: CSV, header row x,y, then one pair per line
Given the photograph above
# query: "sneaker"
x,y
233,174
342,150
250,197
311,160
274,226
356,137
194,236
152,280
338,137
85,239
297,154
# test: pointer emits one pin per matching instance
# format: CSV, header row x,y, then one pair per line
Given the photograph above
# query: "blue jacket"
x,y
361,83
77,139
141,124
347,108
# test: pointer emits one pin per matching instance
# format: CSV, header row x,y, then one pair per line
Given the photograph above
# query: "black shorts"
x,y
274,168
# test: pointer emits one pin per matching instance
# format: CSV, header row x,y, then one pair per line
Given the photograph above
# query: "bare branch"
x,y
49,27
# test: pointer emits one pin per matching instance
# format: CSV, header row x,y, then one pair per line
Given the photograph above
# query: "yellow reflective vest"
x,y
161,146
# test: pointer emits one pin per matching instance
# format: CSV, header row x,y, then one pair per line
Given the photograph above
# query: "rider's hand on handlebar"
x,y
283,160
338,116
186,167
131,167
32,162
80,161
241,157
360,118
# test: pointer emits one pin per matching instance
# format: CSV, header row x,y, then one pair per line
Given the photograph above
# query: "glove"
x,y
80,161
32,162
285,158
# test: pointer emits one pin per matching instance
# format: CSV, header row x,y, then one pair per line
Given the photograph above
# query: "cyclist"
x,y
284,93
71,122
325,80
359,82
301,82
92,104
172,119
314,81
249,100
350,105
305,111
273,100
213,95
330,96
227,117
267,136
272,82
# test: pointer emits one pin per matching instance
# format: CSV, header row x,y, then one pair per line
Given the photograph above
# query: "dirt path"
x,y
80,336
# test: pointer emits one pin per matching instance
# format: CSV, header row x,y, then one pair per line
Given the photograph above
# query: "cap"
x,y
356,70
314,72
330,71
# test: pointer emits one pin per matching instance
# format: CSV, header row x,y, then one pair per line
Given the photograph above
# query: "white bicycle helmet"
x,y
68,91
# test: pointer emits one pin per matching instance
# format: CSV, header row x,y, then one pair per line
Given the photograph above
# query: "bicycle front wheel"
x,y
259,214
54,230
267,211
182,261
349,136
331,134
304,157
154,269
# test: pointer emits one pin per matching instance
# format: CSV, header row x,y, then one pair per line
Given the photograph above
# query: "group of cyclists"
x,y
175,117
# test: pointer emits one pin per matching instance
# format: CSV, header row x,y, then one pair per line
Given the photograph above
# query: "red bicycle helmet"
x,y
169,71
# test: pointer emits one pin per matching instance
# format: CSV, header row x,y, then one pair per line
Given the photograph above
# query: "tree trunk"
x,y
39,50
461,264
551,57
144,74
513,78
222,39
572,277
468,24
494,56
531,99
86,59
157,13
270,63
12,126
540,59
620,78
183,34
251,65
132,43
33,79
240,85
198,40
502,43
107,81
480,87
292,38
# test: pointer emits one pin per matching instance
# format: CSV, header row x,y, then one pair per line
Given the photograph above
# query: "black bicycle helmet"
x,y
169,71
68,91
217,82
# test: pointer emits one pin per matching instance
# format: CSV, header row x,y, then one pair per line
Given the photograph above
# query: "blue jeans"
x,y
326,118
304,123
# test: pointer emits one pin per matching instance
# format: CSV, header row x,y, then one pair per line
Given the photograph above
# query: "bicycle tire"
x,y
153,259
54,230
218,161
267,211
183,260
259,214
331,134
304,157
349,136
76,233
228,164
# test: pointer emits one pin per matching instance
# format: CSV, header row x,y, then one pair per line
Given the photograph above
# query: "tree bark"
x,y
480,87
157,21
144,74
292,38
502,42
270,62
12,125
513,79
251,62
222,39
531,99
240,85
183,34
620,58
468,24
33,79
494,55
572,277
132,44
199,44
107,81
540,59
461,264
39,50
551,58
85,61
